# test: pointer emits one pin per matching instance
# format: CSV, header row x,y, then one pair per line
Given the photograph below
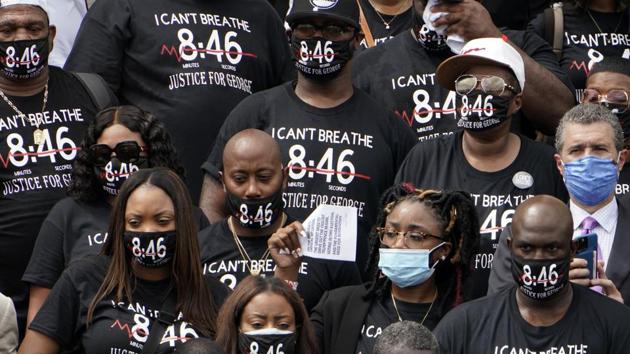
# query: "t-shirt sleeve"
x,y
501,274
450,333
101,41
58,316
47,261
404,141
245,115
409,167
317,318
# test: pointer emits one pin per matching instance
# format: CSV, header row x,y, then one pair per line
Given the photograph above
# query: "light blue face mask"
x,y
591,179
407,267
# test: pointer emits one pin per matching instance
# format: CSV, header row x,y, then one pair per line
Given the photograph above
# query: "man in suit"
x,y
589,141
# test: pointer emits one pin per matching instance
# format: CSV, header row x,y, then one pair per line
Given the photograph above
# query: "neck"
x,y
421,293
151,274
490,152
247,232
592,209
603,5
24,87
326,94
391,7
544,313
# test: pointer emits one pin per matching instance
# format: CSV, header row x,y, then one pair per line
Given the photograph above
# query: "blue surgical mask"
x,y
407,267
591,179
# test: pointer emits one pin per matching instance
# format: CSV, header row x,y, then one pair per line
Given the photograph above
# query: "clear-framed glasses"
x,y
490,84
616,100
411,239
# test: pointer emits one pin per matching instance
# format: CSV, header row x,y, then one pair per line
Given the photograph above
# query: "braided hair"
x,y
460,227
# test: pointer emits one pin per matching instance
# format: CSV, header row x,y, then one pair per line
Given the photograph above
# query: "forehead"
x,y
148,198
268,303
22,13
246,156
606,81
588,134
414,213
497,70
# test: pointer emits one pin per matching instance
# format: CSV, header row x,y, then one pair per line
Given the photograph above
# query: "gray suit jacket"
x,y
618,269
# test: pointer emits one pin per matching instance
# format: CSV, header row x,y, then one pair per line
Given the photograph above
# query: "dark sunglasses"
x,y
332,32
613,99
126,151
493,85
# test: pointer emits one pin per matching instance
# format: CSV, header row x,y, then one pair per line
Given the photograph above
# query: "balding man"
x,y
253,179
543,312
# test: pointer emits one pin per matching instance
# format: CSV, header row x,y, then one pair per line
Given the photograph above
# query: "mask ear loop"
x,y
439,259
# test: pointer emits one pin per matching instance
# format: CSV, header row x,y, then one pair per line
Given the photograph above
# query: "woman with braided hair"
x,y
420,255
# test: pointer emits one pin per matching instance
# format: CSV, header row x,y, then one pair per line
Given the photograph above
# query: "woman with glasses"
x,y
145,292
420,257
120,141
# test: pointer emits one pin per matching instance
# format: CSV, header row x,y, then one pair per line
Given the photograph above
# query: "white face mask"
x,y
267,331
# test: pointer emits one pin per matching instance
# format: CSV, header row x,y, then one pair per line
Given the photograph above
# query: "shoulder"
x,y
6,304
259,101
92,268
369,56
219,291
345,296
609,310
436,146
530,146
479,309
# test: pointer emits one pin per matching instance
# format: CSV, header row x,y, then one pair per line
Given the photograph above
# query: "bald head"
x,y
251,143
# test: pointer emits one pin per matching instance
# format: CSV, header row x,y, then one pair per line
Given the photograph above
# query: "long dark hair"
x,y
460,226
85,185
194,299
232,310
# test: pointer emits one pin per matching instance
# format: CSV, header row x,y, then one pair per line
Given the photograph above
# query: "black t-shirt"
x,y
380,32
358,141
400,75
34,177
220,258
593,324
584,44
382,314
514,14
117,327
441,164
72,230
189,62
623,184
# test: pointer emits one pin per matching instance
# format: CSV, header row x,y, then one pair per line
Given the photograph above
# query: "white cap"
x,y
41,3
493,51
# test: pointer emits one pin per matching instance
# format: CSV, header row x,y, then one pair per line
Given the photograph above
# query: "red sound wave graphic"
x,y
172,51
579,66
313,169
125,327
5,160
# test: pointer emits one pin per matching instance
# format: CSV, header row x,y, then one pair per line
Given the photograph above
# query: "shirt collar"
x,y
606,216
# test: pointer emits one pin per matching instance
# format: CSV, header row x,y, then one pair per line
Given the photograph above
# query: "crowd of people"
x,y
156,189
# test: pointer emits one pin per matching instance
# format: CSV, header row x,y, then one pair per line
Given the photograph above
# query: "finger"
x,y
299,228
583,282
445,20
446,7
609,288
578,263
601,273
579,273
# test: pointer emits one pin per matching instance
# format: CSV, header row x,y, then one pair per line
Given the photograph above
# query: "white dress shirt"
x,y
606,225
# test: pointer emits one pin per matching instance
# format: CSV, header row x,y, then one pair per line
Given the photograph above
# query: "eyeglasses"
x,y
493,85
332,32
616,100
126,151
411,239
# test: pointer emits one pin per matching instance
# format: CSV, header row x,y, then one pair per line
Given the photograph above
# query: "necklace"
x,y
255,271
38,134
425,315
597,25
398,12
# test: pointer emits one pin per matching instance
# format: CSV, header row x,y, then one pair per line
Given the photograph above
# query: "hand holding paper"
x,y
332,233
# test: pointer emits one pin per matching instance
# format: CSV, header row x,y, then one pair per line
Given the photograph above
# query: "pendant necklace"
x,y
38,134
425,315
597,25
386,23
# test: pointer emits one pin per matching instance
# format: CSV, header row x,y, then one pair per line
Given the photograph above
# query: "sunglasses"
x,y
490,84
126,151
332,32
614,99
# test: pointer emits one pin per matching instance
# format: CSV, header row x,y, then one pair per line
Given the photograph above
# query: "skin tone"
x,y
604,5
470,20
496,148
149,209
22,22
541,230
330,93
267,310
603,82
110,136
596,139
252,169
391,7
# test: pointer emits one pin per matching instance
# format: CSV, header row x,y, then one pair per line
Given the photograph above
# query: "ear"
x,y
559,165
516,104
52,33
509,242
622,159
358,37
221,178
444,251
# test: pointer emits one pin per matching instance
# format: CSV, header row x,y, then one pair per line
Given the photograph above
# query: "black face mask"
x,y
540,279
115,173
478,111
428,39
255,213
151,249
320,59
267,343
25,59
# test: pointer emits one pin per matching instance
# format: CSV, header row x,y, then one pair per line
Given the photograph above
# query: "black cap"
x,y
343,10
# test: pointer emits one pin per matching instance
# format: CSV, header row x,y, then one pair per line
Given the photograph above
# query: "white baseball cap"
x,y
492,51
41,3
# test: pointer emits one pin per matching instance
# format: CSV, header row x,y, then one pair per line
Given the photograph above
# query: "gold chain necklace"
x,y
398,12
425,315
38,134
241,249
597,25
